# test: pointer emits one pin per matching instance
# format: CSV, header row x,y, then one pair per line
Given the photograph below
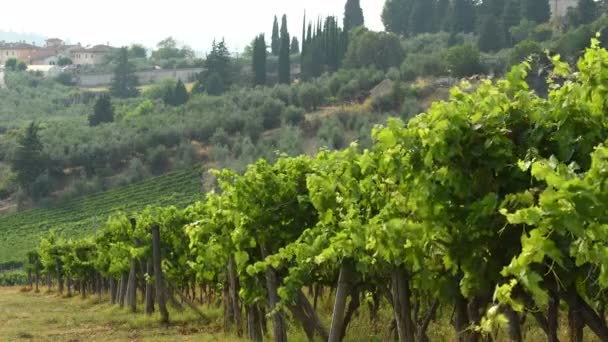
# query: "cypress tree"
x,y
103,111
353,15
420,20
259,60
511,16
124,83
537,11
295,45
441,14
180,94
490,34
284,47
276,40
28,162
462,18
303,50
587,11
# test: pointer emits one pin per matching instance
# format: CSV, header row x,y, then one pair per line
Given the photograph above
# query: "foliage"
x,y
28,162
259,56
463,60
284,54
124,83
523,50
166,49
353,15
217,78
491,35
103,111
537,11
379,49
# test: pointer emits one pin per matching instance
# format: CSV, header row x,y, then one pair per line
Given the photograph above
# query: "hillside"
x,y
81,216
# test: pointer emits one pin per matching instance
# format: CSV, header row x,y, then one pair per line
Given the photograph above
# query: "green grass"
x,y
20,232
45,316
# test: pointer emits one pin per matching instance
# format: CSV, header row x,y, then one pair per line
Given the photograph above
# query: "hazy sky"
x,y
194,22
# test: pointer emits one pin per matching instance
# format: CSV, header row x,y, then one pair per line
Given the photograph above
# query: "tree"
x,y
28,162
441,15
21,66
216,77
11,64
587,11
64,61
168,49
379,49
103,111
491,35
462,18
421,17
284,55
124,83
511,17
275,43
396,15
353,15
463,60
259,60
179,95
295,46
537,11
137,51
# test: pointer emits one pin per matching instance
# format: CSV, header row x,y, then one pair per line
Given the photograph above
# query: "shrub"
x,y
158,159
294,115
523,50
463,60
311,96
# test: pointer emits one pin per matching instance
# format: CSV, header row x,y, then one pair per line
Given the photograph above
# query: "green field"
x,y
19,232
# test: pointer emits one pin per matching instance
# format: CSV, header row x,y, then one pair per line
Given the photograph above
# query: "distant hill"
x,y
10,36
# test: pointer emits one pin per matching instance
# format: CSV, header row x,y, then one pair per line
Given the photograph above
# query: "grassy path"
x,y
46,317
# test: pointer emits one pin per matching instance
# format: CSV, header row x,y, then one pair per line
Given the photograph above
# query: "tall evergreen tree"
x,y
284,54
124,83
259,60
353,15
538,11
421,17
217,75
441,15
28,162
491,34
587,11
275,44
295,45
396,15
103,111
511,17
462,18
180,94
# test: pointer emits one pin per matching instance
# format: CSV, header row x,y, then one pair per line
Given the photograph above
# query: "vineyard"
x,y
490,209
82,216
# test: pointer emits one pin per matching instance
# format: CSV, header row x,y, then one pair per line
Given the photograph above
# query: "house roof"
x,y
17,46
96,48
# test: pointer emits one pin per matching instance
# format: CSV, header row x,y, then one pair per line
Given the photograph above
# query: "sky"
x,y
192,22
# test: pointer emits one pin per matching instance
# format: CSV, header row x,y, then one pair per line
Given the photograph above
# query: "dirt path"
x,y
2,85
47,317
